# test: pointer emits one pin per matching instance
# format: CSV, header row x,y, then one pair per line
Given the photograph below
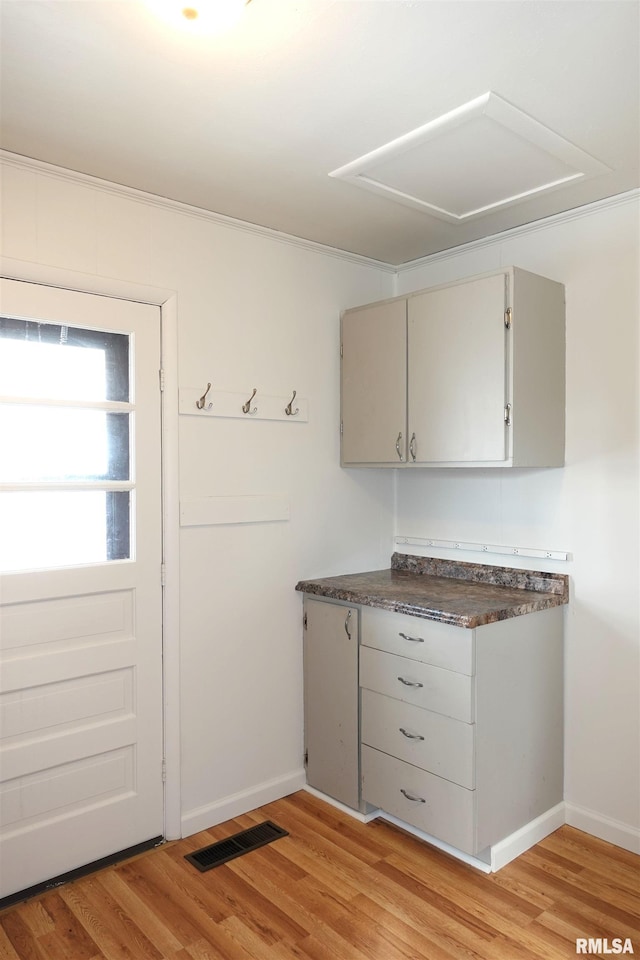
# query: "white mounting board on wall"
x,y
210,511
483,548
221,403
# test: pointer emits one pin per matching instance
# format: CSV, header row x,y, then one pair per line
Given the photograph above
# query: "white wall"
x,y
589,508
253,310
258,311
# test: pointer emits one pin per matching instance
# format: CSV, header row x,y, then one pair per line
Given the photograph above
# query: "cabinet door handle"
x,y
412,447
405,636
346,624
410,683
398,450
410,736
409,797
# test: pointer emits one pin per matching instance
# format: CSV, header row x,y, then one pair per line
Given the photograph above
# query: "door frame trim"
x,y
167,301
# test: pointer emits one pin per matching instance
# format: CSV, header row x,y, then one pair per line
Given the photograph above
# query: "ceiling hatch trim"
x,y
480,157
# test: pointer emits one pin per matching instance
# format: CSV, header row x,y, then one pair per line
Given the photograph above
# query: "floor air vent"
x,y
235,846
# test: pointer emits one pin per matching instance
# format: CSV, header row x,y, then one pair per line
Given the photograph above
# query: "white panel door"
x,y
80,588
458,373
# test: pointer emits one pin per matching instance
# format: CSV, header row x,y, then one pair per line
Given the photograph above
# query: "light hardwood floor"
x,y
334,889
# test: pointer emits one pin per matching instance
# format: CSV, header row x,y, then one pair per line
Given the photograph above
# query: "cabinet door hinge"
x,y
164,770
507,318
341,351
161,377
306,758
507,414
341,428
304,621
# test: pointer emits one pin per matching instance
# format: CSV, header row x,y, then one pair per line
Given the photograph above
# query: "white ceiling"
x,y
251,124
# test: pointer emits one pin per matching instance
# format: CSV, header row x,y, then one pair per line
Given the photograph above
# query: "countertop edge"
x,y
537,602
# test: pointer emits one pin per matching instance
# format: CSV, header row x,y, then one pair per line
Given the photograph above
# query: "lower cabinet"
x,y
462,730
331,728
458,732
431,803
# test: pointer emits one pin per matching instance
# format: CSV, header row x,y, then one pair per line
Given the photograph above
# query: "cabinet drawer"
x,y
441,808
445,747
422,684
426,640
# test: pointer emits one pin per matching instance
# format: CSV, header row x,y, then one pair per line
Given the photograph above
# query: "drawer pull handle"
x,y
410,736
409,797
410,683
405,636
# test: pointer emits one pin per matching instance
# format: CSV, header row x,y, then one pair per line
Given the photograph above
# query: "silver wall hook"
x,y
288,409
200,404
246,407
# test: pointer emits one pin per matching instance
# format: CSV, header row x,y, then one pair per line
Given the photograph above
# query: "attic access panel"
x,y
480,157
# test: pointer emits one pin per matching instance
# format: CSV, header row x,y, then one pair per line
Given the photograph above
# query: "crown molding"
x,y
150,199
140,196
577,213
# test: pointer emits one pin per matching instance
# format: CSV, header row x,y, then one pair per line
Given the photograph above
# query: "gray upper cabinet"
x,y
374,383
465,374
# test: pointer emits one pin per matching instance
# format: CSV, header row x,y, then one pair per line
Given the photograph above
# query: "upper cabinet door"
x,y
457,362
374,384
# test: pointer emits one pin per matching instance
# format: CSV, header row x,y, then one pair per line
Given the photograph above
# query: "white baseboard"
x,y
356,814
434,842
605,828
496,857
201,818
523,839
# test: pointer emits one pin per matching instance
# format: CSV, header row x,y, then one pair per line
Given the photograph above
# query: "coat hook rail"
x,y
214,402
200,404
290,412
246,407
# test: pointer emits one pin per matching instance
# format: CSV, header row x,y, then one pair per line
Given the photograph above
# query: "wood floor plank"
x,y
245,937
147,920
358,844
266,919
588,850
417,906
196,891
570,892
484,906
69,934
37,919
7,950
334,889
218,945
20,938
150,884
116,939
417,931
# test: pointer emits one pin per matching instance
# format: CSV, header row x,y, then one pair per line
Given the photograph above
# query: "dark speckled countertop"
x,y
463,594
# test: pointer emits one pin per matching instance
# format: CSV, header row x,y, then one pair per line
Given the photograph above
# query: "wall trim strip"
x,y
132,193
605,828
234,805
577,213
151,199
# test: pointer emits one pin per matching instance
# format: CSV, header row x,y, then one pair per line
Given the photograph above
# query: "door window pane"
x,y
43,442
58,528
52,361
57,443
